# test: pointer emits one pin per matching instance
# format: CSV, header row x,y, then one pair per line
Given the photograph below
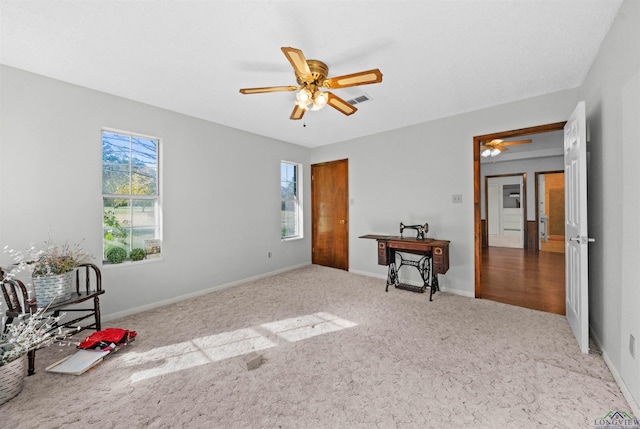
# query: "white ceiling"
x,y
438,58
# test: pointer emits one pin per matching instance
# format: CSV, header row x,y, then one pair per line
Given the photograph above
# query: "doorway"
x,y
550,211
479,230
330,214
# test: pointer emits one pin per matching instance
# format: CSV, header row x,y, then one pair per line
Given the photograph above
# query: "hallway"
x,y
524,278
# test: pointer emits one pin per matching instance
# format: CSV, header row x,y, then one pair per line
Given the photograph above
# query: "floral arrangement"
x,y
51,260
31,332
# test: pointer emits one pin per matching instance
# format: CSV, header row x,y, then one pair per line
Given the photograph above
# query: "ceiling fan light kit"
x,y
319,100
490,152
311,75
313,99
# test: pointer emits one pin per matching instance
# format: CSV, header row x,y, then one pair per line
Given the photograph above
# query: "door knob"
x,y
342,221
582,239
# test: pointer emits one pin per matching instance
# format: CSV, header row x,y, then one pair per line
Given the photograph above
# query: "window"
x,y
130,193
290,206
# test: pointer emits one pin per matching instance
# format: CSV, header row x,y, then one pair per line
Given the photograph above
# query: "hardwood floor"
x,y
555,243
524,278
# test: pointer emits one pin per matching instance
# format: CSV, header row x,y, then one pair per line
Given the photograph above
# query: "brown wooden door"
x,y
330,214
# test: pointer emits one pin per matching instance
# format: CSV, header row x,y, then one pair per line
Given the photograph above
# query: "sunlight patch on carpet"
x,y
225,345
300,328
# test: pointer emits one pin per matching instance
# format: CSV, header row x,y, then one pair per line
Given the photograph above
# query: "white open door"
x,y
577,252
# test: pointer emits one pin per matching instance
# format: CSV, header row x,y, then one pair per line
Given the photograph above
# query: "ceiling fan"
x,y
497,146
311,76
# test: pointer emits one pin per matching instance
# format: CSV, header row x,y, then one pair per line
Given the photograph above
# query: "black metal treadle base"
x,y
411,288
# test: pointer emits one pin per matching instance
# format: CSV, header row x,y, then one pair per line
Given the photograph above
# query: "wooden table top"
x,y
430,241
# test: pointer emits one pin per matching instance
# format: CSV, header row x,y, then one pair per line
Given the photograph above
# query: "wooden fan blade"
x,y
267,89
297,113
355,79
340,105
516,142
299,62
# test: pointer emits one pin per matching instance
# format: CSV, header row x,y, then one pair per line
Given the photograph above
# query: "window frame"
x,y
157,197
297,200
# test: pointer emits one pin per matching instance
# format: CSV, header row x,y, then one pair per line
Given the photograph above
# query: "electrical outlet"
x,y
456,198
632,345
269,255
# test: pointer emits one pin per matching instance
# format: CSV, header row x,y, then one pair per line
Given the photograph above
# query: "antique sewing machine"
x,y
433,254
420,229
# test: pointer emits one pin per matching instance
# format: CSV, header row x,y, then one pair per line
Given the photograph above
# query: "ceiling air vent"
x,y
359,99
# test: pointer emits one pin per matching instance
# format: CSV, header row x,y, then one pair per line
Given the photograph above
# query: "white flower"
x,y
28,332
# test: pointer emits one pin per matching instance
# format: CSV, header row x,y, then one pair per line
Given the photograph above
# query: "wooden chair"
x,y
88,290
17,299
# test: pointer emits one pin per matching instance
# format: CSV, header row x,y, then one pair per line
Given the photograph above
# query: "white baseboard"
x,y
368,274
442,288
136,310
458,292
635,408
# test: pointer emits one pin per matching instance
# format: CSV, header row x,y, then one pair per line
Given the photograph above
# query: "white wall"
x,y
410,175
612,94
221,189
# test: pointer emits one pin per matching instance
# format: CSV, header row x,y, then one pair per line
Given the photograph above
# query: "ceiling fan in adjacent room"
x,y
311,76
496,146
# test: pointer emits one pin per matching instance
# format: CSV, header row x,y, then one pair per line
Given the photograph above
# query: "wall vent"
x,y
359,99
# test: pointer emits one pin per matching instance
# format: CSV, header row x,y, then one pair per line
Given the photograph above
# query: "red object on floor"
x,y
107,336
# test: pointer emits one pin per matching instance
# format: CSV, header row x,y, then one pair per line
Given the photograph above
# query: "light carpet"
x,y
337,352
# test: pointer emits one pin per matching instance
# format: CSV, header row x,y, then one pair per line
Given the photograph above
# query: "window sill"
x,y
291,238
109,266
